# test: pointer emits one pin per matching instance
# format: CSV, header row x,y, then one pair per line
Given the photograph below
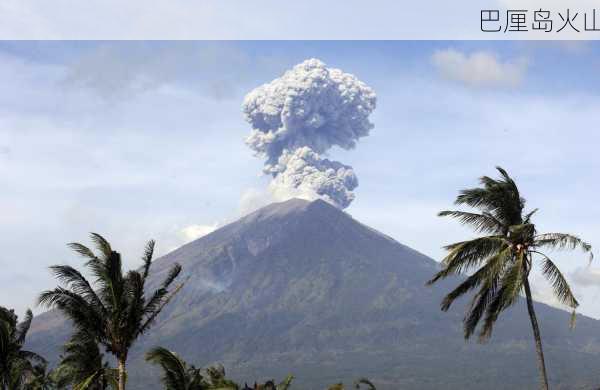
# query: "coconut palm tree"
x,y
499,263
16,363
82,365
178,375
115,308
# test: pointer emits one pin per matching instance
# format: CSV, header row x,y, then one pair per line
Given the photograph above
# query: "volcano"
x,y
301,287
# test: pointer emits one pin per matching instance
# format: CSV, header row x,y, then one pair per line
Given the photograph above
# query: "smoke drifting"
x,y
297,118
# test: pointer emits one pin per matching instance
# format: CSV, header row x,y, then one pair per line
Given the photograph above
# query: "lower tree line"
x,y
82,366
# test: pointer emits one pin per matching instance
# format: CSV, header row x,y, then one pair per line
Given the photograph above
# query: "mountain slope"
x,y
302,287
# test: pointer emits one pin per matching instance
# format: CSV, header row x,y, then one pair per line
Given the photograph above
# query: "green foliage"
x,y
17,365
178,375
286,384
270,385
113,310
41,379
82,365
216,380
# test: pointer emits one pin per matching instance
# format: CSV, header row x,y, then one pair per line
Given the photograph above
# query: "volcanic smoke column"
x,y
298,117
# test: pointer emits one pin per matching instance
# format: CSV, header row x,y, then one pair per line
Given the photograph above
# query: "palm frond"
x,y
161,293
499,198
83,315
527,218
483,276
482,223
478,306
172,275
286,383
101,244
135,292
560,286
113,288
147,258
361,381
82,250
32,357
175,372
77,283
152,315
23,327
510,288
89,381
466,255
562,241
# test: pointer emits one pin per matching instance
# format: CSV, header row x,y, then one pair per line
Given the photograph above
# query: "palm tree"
x,y
178,375
82,365
16,363
115,309
501,261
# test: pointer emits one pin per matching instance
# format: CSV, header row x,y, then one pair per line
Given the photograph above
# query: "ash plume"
x,y
297,118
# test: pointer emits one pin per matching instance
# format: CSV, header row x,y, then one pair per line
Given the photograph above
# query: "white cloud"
x,y
541,291
193,232
586,276
479,68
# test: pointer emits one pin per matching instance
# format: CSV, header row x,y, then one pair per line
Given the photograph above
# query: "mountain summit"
x,y
301,287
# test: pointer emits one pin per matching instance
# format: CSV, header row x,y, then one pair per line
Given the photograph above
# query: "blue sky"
x,y
139,140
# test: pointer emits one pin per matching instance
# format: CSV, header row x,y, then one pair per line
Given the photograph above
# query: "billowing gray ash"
x,y
297,118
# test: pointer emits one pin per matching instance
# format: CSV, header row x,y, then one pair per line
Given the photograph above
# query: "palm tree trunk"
x,y
536,336
122,372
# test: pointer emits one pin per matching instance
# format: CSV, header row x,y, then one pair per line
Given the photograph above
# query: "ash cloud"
x,y
297,118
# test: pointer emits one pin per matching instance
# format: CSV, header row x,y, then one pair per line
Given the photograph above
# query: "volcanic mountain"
x,y
301,287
